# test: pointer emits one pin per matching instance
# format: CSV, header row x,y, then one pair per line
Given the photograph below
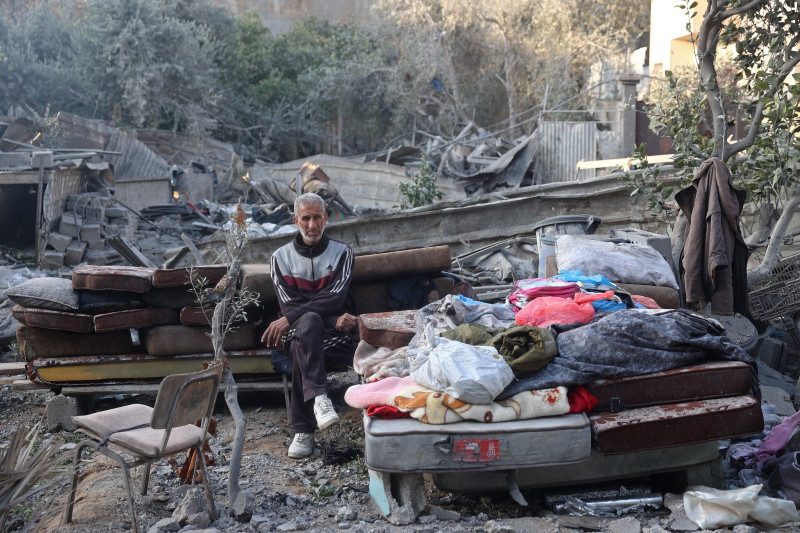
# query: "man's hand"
x,y
272,337
346,322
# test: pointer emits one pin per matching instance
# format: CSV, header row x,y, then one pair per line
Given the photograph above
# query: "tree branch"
x,y
741,9
763,271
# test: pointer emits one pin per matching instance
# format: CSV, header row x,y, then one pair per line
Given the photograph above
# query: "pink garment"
x,y
775,442
527,290
381,392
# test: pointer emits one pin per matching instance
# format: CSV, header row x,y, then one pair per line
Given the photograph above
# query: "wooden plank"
x,y
152,388
20,178
8,369
624,162
28,385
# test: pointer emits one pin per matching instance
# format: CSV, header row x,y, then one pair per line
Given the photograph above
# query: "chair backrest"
x,y
185,398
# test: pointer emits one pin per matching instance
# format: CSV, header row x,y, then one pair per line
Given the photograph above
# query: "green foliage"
x,y
422,191
753,85
51,136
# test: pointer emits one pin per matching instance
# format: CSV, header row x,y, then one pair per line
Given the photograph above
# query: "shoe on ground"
x,y
324,411
302,445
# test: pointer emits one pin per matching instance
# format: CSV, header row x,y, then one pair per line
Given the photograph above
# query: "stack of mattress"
x,y
680,407
83,330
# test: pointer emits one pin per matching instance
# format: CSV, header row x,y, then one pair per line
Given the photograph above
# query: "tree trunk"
x,y
772,255
232,401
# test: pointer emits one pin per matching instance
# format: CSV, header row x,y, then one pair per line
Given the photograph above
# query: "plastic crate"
x,y
779,294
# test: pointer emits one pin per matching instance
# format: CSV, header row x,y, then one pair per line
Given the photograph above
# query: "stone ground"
x,y
326,492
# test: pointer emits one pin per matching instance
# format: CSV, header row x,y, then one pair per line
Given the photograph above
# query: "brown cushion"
x,y
113,278
179,340
393,329
666,297
201,316
177,277
136,318
715,379
404,262
56,294
60,320
42,342
663,426
170,297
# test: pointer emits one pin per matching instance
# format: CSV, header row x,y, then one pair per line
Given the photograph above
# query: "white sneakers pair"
x,y
303,443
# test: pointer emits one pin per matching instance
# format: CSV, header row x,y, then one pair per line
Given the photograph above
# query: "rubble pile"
x,y
89,219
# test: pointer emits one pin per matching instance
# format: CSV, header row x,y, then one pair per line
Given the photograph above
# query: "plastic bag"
x,y
473,374
547,310
713,508
527,290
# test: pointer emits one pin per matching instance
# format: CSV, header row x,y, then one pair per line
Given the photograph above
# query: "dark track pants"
x,y
309,362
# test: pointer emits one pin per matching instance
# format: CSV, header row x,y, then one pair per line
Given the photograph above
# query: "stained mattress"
x,y
408,445
677,424
393,329
715,379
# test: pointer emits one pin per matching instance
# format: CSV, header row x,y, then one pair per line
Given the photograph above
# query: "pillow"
x,y
55,294
620,262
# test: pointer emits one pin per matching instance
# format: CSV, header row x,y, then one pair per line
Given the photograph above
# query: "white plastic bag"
x,y
473,374
712,508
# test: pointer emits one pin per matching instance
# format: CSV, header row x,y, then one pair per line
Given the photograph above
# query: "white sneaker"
x,y
302,445
324,411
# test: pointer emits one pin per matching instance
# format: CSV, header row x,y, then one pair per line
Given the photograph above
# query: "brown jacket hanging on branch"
x,y
714,256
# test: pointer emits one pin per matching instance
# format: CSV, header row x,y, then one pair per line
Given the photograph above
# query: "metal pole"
x,y
39,194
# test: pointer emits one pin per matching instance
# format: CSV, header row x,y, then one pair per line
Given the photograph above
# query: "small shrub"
x,y
422,191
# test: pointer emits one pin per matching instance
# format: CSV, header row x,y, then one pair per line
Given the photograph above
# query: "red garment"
x,y
580,400
386,411
645,301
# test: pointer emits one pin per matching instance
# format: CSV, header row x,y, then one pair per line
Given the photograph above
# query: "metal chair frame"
x,y
182,400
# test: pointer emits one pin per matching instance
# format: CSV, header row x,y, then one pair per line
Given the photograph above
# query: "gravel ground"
x,y
325,492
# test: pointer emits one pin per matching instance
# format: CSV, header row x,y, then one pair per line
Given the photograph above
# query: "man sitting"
x,y
312,276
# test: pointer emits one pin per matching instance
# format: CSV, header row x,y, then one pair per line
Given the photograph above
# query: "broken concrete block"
x,y
242,508
193,502
74,253
91,232
60,410
99,244
52,260
399,497
110,230
779,398
70,224
116,212
103,257
94,214
59,241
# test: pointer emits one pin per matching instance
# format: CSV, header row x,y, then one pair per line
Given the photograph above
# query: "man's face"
x,y
311,220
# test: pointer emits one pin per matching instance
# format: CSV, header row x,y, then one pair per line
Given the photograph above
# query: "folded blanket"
x,y
434,407
378,363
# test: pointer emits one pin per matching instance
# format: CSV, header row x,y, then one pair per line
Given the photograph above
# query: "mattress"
x,y
677,424
113,278
164,341
393,329
408,445
58,320
177,277
40,342
715,379
136,318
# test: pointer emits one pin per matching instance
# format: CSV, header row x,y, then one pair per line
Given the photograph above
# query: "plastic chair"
x,y
144,434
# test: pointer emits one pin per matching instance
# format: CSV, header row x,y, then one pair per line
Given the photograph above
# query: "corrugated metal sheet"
x,y
563,144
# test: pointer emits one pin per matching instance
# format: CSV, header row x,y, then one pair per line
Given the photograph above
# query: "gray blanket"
x,y
633,342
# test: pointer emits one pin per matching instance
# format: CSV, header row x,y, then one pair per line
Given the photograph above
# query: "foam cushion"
x,y
392,329
715,379
170,297
136,318
178,277
113,278
179,340
663,426
56,294
40,342
98,302
48,319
